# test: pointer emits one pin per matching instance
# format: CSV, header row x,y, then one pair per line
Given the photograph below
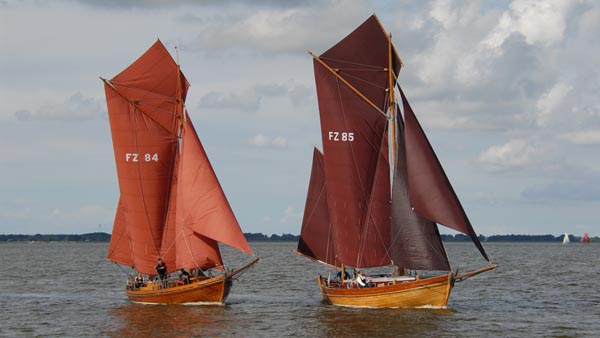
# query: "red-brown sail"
x,y
119,249
352,80
202,205
415,241
315,237
431,194
142,106
159,213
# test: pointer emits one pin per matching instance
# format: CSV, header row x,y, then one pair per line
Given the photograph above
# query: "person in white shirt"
x,y
361,279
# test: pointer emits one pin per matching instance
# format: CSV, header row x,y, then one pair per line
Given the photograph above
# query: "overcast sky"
x,y
508,93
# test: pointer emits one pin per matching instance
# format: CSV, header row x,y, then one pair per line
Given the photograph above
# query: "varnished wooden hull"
x,y
433,292
213,290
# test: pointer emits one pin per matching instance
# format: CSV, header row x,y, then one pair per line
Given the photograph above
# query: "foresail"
x,y
352,79
416,242
143,106
431,194
315,237
201,203
181,246
119,250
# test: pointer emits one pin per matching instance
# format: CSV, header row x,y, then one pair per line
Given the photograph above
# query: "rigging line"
x,y
362,80
375,67
125,272
338,76
142,90
134,104
141,186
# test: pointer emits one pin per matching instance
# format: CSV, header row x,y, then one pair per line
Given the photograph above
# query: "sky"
x,y
507,92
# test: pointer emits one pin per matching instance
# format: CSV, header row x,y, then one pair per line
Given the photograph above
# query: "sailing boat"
x,y
377,190
586,238
566,239
171,206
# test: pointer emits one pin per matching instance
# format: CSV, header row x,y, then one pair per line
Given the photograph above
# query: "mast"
x,y
392,107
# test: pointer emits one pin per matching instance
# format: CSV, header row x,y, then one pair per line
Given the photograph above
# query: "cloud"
x,y
249,100
549,103
290,214
264,141
515,154
585,186
246,101
75,108
275,29
539,22
584,137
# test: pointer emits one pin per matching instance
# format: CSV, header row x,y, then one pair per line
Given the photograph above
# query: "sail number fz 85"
x,y
341,136
135,157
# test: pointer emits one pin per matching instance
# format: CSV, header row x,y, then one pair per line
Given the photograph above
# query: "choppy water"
x,y
68,289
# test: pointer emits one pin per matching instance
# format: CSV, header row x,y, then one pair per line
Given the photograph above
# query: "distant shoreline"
x,y
260,237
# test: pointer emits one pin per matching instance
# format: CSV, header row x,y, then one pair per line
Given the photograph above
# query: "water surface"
x,y
69,289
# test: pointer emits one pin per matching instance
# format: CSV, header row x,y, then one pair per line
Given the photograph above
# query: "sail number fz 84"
x,y
341,136
135,157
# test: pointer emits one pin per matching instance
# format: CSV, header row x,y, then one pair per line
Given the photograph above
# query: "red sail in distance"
x,y
145,106
352,81
431,194
315,237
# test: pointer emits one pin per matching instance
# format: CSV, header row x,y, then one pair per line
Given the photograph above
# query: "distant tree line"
x,y
91,237
260,237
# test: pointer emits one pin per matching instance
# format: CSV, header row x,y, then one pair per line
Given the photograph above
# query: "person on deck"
x,y
161,269
139,281
361,279
184,277
338,275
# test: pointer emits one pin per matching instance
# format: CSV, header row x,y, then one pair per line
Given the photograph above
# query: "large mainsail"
x,y
160,165
351,80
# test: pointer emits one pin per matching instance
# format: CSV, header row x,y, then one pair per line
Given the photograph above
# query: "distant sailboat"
x,y
566,239
171,206
586,238
377,190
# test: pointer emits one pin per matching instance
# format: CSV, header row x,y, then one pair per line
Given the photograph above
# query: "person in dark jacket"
x,y
161,269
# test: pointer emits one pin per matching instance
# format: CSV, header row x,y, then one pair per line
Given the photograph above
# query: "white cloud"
x,y
246,101
549,103
291,215
540,22
250,99
515,154
584,137
264,141
75,108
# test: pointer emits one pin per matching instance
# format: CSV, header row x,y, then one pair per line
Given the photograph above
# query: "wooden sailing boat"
x,y
171,205
377,190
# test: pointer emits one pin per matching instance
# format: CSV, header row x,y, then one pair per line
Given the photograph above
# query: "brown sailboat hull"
x,y
433,292
213,290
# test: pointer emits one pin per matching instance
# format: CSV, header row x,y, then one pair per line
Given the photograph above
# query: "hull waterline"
x,y
213,290
428,292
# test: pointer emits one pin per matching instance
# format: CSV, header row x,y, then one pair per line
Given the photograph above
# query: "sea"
x,y
69,289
